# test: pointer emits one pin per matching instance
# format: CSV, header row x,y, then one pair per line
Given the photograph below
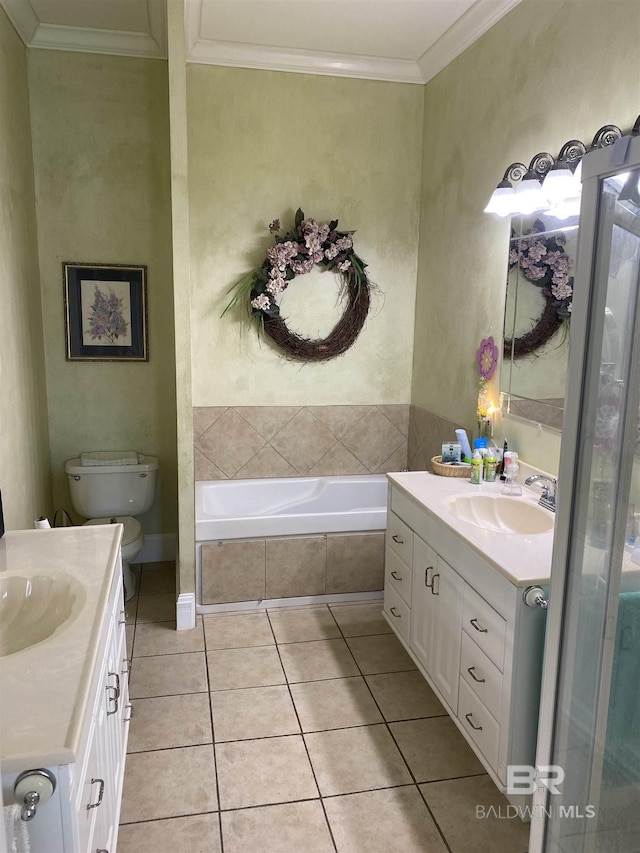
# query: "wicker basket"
x,y
450,470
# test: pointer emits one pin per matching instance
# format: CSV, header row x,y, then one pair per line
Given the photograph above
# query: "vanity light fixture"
x,y
549,185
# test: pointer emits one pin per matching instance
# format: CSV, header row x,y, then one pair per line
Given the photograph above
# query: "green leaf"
x,y
299,217
333,225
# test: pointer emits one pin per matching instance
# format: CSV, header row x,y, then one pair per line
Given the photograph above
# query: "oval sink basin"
x,y
502,514
33,608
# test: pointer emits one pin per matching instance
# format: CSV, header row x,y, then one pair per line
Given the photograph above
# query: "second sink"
x,y
502,514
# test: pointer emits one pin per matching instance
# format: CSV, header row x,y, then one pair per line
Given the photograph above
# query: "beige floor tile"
x,y
237,630
156,608
260,772
285,828
169,783
193,834
131,610
395,820
435,749
161,638
294,625
380,654
169,721
130,634
156,581
334,704
453,805
168,675
404,696
360,620
258,666
359,759
253,712
316,660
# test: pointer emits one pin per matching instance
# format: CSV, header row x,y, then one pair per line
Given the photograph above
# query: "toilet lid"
x,y
131,530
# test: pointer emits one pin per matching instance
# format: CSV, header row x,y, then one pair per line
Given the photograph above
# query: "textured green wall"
x,y
260,145
101,159
24,450
546,73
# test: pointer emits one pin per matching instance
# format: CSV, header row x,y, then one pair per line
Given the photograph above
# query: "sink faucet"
x,y
548,496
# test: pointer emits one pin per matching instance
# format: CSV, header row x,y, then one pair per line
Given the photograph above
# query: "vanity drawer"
x,y
399,537
398,612
484,625
483,677
478,723
397,575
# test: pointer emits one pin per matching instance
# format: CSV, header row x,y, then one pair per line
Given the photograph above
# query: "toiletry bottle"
x,y
490,466
476,468
512,484
505,450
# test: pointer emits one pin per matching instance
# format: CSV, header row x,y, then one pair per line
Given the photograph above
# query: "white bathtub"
x,y
289,506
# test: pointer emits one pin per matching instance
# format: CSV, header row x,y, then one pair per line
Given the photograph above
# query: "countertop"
x,y
44,688
522,559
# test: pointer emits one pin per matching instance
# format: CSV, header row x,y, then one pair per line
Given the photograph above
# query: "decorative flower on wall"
x,y
106,317
545,263
487,358
486,363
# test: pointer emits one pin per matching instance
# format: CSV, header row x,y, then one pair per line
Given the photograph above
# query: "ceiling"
x,y
398,40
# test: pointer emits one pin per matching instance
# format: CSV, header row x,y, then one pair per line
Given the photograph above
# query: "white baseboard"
x,y
186,611
301,601
157,548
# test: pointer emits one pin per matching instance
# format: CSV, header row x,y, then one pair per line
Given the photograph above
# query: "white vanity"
x,y
64,698
455,573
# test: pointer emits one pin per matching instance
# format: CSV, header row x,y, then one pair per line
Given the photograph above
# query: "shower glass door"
x,y
590,721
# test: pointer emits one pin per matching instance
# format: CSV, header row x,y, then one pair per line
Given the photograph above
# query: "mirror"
x,y
542,253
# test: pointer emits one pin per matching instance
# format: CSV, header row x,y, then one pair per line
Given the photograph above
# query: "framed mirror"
x,y
542,254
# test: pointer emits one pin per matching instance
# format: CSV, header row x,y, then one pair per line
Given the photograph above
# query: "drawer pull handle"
x,y
113,698
397,539
117,686
100,794
471,723
474,622
397,615
396,576
428,583
473,675
434,590
128,708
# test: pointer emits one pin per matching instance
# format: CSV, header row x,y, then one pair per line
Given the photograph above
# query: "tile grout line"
x,y
213,738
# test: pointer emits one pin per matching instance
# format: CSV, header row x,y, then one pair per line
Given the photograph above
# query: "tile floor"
x,y
304,729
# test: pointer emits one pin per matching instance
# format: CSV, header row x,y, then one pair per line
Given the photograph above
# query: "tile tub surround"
x,y
246,442
426,434
254,569
277,767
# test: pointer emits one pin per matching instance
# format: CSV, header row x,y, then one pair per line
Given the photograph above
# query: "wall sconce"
x,y
548,185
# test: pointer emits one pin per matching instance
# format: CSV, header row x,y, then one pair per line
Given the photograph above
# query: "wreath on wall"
x,y
545,263
295,253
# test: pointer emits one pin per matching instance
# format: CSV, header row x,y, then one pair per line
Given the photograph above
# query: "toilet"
x,y
108,487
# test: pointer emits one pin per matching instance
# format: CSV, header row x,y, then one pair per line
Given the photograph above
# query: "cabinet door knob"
x,y
100,794
396,576
397,539
473,675
393,613
471,723
475,624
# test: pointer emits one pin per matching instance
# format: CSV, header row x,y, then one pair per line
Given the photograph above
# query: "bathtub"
x,y
289,506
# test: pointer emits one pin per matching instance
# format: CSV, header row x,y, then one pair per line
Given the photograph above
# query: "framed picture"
x,y
105,312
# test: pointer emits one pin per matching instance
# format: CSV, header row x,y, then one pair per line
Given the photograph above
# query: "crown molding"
x,y
22,17
467,29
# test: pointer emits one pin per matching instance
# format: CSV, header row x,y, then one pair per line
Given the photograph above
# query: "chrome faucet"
x,y
548,496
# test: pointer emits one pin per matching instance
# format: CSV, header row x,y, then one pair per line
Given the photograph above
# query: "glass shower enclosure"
x,y
589,733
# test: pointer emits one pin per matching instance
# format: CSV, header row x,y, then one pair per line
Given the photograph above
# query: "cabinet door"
x,y
448,591
423,601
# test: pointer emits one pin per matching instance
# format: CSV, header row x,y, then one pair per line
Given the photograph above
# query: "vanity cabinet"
x,y
469,633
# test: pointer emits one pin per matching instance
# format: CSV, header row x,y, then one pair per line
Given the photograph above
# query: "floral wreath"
x,y
296,252
545,263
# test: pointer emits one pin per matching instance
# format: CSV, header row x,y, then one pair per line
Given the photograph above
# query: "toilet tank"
x,y
98,491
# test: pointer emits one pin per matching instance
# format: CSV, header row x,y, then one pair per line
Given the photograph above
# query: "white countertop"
x,y
44,688
522,559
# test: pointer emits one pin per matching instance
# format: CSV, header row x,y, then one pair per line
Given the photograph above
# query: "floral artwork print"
x,y
487,358
106,322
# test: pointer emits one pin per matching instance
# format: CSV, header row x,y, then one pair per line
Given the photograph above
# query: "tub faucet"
x,y
548,496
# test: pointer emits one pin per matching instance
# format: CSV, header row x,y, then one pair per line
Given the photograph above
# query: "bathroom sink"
x,y
502,514
33,608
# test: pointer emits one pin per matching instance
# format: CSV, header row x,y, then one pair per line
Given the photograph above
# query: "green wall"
x,y
102,176
544,74
24,450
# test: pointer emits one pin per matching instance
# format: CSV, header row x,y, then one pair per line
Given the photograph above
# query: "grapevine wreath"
x,y
295,253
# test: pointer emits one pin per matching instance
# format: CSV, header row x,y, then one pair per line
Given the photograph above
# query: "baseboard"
x,y
158,548
186,611
301,601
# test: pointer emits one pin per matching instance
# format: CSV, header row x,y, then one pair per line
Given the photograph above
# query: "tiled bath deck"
x,y
304,730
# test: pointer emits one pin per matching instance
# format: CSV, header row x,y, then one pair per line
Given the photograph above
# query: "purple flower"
x,y
274,226
106,319
302,267
487,358
343,266
261,303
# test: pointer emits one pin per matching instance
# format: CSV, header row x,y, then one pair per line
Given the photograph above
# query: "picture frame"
x,y
105,312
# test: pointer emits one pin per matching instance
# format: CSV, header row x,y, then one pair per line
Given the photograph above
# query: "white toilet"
x,y
107,487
